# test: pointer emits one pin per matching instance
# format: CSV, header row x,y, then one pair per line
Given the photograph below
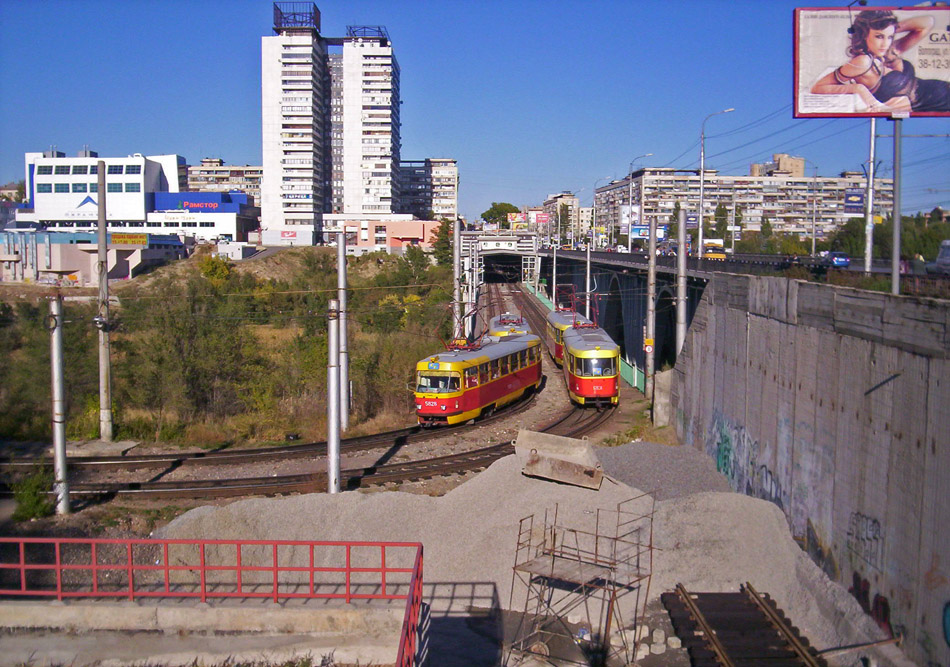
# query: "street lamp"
x,y
814,203
630,201
593,222
702,173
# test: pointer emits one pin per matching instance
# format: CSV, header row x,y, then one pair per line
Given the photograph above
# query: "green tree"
x,y
498,213
936,216
564,220
442,241
721,217
766,230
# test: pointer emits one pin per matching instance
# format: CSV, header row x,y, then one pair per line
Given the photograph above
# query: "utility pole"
x,y
554,280
457,279
344,353
869,211
587,284
814,207
896,243
102,317
61,486
333,397
630,210
648,343
702,176
681,282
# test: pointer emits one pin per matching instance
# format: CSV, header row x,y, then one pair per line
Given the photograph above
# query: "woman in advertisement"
x,y
877,72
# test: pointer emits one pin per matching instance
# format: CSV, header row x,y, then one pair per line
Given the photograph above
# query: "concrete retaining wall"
x,y
834,404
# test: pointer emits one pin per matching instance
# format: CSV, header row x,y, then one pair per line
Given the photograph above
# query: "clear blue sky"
x,y
531,97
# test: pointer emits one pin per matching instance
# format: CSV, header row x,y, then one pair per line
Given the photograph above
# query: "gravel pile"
x,y
709,541
663,470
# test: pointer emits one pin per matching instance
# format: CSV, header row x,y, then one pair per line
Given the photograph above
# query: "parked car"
x,y
837,259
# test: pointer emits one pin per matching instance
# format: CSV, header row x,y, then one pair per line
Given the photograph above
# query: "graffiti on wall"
x,y
878,607
737,456
865,539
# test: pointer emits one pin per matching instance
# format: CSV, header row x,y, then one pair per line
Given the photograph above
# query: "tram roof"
x,y
590,340
495,348
565,319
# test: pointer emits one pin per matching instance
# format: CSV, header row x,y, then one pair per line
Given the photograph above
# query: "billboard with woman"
x,y
872,62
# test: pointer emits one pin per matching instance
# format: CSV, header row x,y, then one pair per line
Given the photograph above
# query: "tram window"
x,y
598,367
483,373
522,359
494,369
505,367
471,377
436,383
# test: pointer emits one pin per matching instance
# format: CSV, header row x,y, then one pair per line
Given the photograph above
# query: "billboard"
x,y
516,217
889,62
854,200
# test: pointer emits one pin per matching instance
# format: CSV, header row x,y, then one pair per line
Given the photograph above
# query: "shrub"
x,y
31,493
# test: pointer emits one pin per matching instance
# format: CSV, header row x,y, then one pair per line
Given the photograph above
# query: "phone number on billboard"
x,y
935,64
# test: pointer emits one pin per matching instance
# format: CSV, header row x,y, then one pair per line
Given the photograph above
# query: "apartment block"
x,y
212,175
429,188
792,204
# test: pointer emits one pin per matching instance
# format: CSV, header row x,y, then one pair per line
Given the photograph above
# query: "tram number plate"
x,y
431,404
597,387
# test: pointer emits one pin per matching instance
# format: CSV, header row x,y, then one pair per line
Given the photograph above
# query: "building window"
x,y
133,187
133,169
44,187
62,187
93,169
79,187
93,187
114,169
44,170
62,169
113,187
80,168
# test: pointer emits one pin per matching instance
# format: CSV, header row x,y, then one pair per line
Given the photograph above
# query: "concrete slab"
x,y
97,447
176,632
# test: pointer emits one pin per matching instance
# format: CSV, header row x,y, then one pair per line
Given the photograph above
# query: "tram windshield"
x,y
596,367
437,382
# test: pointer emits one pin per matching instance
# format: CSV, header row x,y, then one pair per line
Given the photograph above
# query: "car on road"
x,y
837,259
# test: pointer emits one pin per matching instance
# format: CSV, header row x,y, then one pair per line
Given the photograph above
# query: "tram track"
x,y
737,629
572,423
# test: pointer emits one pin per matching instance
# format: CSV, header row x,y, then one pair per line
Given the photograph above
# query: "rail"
x,y
133,569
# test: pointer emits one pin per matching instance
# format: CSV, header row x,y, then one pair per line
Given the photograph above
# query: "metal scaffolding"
x,y
570,574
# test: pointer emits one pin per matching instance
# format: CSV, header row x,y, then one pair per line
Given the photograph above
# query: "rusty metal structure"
x,y
579,584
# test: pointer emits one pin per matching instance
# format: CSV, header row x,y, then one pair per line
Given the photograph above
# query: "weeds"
x,y
31,493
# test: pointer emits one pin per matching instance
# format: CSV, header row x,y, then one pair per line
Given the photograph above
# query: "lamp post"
x,y
702,174
814,203
630,201
593,222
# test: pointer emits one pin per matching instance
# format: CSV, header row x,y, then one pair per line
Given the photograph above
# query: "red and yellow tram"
x,y
559,321
455,386
591,365
508,324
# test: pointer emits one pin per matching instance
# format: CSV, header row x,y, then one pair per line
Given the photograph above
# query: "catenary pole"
x,y
344,352
333,397
61,485
457,278
587,283
896,215
554,280
651,310
869,210
681,282
102,317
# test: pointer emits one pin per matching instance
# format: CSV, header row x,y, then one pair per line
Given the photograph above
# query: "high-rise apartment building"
x,y
295,82
364,122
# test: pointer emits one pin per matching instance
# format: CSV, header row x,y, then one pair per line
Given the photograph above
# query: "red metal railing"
x,y
203,569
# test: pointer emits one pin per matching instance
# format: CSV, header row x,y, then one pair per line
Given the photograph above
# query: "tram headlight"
x,y
443,408
418,406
